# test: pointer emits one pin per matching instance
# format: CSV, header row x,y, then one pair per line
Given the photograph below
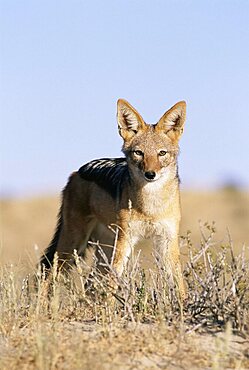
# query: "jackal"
x,y
139,193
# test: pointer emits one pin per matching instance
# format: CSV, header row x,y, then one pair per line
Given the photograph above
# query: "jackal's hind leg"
x,y
73,236
103,240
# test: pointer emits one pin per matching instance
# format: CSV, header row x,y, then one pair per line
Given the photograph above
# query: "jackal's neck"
x,y
152,198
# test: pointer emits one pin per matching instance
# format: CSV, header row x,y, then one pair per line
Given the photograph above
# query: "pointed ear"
x,y
172,121
129,120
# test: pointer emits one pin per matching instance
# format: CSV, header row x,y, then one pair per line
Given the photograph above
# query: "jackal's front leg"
x,y
169,254
122,251
174,255
120,257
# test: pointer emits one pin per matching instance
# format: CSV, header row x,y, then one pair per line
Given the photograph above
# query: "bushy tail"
x,y
48,256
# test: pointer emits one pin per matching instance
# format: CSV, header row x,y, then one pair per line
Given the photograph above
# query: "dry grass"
x,y
144,325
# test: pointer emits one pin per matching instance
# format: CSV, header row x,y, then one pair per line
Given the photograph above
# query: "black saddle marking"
x,y
108,173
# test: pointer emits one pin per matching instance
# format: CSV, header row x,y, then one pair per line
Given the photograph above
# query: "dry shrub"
x,y
216,280
218,284
218,298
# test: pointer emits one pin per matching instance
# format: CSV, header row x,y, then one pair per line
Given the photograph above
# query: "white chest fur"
x,y
162,231
156,197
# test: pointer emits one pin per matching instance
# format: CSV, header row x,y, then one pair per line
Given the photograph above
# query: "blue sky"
x,y
65,63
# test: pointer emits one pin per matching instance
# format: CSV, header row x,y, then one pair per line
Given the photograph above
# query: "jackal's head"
x,y
151,150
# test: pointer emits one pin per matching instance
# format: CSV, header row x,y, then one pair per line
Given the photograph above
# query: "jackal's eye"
x,y
162,153
139,153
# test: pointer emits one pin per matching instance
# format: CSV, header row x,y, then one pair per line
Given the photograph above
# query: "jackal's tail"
x,y
48,256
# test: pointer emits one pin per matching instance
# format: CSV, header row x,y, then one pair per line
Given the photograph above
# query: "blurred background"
x,y
64,64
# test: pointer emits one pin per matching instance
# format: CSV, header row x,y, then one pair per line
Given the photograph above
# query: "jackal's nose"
x,y
150,175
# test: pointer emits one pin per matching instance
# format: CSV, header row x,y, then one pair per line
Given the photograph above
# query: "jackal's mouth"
x,y
151,180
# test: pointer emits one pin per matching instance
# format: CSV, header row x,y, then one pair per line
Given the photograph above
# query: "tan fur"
x,y
146,208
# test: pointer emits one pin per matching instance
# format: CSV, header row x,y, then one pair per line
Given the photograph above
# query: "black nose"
x,y
150,175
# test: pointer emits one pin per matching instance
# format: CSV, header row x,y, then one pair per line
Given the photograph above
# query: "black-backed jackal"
x,y
139,193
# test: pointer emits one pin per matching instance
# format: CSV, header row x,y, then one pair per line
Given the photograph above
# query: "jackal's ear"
x,y
129,120
172,121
